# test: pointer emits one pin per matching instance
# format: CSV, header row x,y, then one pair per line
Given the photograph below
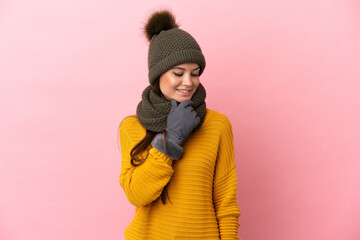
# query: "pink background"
x,y
286,73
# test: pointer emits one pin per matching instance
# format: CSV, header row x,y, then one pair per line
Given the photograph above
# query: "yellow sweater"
x,y
202,184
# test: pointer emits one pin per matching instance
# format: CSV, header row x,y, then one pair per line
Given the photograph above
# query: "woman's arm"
x,y
142,184
225,185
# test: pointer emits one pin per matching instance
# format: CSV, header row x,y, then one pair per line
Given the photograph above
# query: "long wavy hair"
x,y
144,145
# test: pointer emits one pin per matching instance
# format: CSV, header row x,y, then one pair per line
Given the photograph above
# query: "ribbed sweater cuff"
x,y
173,150
159,155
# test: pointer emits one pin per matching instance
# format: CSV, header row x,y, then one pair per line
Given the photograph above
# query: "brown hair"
x,y
144,145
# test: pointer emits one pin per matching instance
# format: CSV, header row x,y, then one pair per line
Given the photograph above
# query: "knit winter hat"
x,y
169,45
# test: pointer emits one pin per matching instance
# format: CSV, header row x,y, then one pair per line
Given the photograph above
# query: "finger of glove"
x,y
189,110
186,103
192,124
188,113
194,113
197,120
174,104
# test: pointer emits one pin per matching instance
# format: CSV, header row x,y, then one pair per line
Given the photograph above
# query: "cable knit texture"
x,y
202,184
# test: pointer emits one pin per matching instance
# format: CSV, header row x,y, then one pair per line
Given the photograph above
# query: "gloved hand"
x,y
181,121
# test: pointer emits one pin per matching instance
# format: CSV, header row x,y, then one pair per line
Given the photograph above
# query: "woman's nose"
x,y
187,81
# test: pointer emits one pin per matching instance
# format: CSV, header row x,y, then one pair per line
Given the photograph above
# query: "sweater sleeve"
x,y
142,184
225,185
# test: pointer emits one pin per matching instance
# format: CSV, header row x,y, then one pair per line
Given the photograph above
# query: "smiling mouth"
x,y
183,91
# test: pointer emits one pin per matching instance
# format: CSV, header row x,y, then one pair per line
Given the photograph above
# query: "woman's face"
x,y
180,82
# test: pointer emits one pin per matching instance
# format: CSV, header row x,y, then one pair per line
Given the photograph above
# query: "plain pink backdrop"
x,y
286,73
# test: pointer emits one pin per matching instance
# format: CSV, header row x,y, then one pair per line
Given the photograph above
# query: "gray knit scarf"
x,y
152,110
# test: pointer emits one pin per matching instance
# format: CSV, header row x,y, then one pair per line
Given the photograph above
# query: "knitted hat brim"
x,y
176,58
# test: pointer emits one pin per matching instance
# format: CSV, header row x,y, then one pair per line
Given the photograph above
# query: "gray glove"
x,y
181,121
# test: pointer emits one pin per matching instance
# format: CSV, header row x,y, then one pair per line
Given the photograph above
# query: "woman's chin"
x,y
181,99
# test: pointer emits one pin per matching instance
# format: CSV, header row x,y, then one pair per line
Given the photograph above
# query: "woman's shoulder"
x,y
131,127
130,121
217,118
216,115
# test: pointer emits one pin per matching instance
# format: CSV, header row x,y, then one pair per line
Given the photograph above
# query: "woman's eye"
x,y
178,74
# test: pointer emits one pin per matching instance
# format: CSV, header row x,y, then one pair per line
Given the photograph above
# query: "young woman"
x,y
178,165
